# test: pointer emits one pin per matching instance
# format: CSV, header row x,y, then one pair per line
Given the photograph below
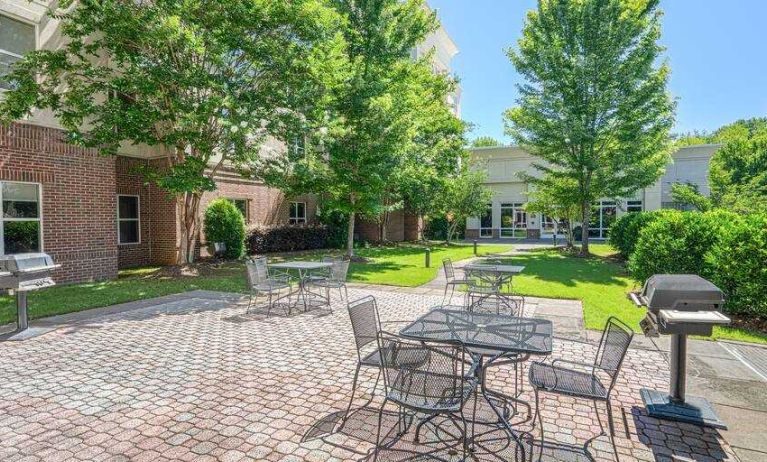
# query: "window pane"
x,y
15,36
128,207
486,221
242,206
128,232
301,207
21,236
20,200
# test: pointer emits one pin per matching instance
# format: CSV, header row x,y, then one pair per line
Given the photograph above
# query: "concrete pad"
x,y
560,310
707,348
746,427
747,455
736,393
716,368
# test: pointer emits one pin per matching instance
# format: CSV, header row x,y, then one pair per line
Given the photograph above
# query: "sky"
x,y
717,51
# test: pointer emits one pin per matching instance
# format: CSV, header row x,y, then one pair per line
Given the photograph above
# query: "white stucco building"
x,y
506,216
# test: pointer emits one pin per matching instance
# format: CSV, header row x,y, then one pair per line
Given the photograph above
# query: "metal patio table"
x,y
494,338
303,269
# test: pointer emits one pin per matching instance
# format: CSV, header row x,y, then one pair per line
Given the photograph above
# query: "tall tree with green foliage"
x,y
465,196
485,142
379,111
556,200
594,108
203,82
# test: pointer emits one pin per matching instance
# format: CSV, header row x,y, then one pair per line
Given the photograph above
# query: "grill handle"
x,y
635,297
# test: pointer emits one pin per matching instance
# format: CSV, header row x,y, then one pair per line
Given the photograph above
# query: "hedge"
x,y
624,232
223,222
677,242
287,239
737,263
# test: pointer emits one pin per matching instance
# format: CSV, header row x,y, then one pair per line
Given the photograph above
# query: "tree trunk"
x,y
350,237
188,209
450,230
585,219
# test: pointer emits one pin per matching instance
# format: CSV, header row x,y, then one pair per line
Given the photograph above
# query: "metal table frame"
x,y
503,276
500,338
304,269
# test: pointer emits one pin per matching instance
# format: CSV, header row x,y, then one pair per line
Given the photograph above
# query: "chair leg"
x,y
444,296
540,419
269,305
612,428
354,388
250,303
378,433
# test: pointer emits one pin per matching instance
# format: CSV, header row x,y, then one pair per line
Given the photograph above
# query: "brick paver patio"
x,y
193,378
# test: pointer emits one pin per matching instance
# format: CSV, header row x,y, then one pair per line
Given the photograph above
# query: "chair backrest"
x,y
482,276
338,270
427,375
366,324
613,347
449,271
257,270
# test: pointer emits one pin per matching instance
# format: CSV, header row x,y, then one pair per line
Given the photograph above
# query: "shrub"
x,y
624,233
736,264
223,222
287,239
677,242
436,229
337,224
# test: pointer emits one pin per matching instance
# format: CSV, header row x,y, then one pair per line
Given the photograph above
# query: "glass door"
x,y
486,222
513,220
603,215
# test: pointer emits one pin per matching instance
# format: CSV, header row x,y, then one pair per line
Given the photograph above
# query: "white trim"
x,y
137,219
298,220
39,218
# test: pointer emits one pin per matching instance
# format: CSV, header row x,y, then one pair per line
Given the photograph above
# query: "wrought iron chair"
x,y
335,279
366,325
261,282
440,384
452,280
484,291
593,381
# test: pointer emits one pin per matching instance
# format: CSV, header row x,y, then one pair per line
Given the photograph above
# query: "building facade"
x,y
96,214
506,217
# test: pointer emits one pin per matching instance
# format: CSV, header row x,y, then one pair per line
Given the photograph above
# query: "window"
x,y
602,216
242,206
486,222
513,220
21,225
633,206
297,213
128,229
16,39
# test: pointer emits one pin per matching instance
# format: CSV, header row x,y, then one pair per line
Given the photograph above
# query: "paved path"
x,y
190,377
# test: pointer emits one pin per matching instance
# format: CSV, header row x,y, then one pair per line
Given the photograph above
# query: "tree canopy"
x,y
204,82
485,142
594,107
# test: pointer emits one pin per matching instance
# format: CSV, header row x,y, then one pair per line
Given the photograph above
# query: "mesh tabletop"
x,y
501,269
301,265
483,330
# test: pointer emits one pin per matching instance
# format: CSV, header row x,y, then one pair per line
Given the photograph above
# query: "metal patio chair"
x,y
439,385
334,279
452,280
261,282
367,327
594,381
484,291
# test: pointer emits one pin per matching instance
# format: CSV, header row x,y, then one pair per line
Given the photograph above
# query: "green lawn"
x,y
600,282
402,266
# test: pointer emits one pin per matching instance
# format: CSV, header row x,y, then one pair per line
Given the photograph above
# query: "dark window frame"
x,y
137,220
297,219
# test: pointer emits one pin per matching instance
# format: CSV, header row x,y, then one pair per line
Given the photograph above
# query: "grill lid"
x,y
683,292
27,262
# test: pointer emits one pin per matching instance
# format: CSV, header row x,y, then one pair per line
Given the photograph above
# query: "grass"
x,y
600,282
403,266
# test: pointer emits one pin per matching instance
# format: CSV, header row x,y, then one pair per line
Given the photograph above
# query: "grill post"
x,y
678,353
22,321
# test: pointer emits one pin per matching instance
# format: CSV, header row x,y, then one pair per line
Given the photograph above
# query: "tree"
x,y
377,114
689,195
485,142
738,170
205,83
557,201
465,196
594,109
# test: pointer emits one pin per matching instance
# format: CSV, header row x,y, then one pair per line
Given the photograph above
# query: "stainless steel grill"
x,y
22,273
680,305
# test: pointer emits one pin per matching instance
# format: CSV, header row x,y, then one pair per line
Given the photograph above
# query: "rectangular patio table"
x,y
501,274
498,337
304,269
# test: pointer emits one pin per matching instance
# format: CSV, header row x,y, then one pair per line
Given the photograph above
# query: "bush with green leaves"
x,y
677,242
624,232
223,222
736,263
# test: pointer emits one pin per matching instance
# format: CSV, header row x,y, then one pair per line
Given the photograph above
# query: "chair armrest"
x,y
574,363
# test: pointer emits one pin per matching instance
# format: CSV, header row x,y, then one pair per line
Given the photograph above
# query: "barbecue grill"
x,y
680,305
20,274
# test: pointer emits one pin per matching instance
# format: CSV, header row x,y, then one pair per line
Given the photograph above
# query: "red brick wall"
x,y
369,230
78,198
413,224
